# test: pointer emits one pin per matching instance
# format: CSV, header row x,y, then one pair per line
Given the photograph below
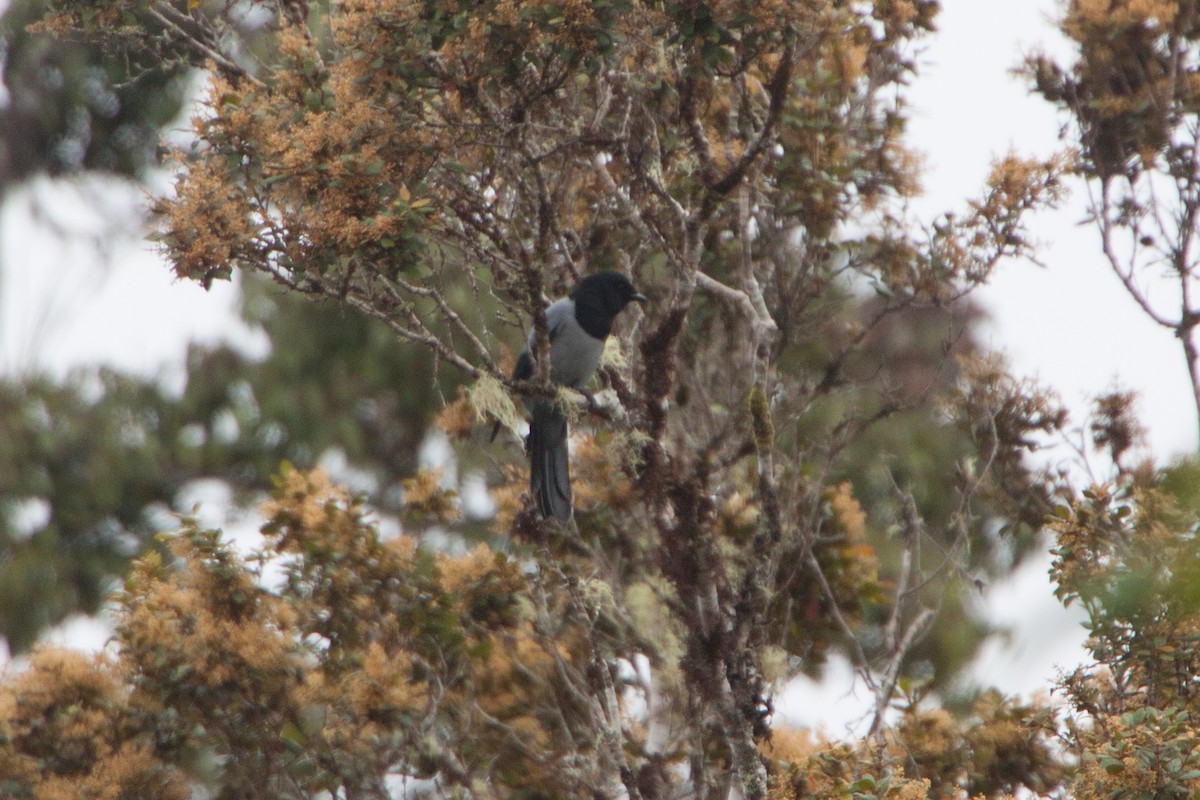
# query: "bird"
x,y
578,326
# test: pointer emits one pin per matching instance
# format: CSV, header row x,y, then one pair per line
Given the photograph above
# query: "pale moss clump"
x,y
652,616
627,448
491,401
613,356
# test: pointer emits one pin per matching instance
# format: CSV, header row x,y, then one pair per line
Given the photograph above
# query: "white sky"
x,y
60,309
1069,325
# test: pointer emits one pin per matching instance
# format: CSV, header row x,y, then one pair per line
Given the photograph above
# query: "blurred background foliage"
x,y
74,105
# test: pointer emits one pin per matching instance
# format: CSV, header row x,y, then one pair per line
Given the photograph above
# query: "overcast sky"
x,y
1071,324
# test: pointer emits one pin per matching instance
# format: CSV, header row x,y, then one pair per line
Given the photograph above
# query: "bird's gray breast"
x,y
574,355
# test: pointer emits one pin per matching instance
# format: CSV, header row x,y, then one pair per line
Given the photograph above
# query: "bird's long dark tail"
x,y
549,476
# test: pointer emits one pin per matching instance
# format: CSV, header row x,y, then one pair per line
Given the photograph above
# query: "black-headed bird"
x,y
578,326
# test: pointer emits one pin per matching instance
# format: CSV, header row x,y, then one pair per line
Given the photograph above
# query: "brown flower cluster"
x,y
372,657
318,173
69,728
998,750
1126,552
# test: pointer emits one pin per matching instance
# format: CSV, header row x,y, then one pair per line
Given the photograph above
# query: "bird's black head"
x,y
608,290
600,297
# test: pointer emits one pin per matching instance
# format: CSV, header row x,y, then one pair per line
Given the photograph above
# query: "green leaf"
x,y
864,784
292,734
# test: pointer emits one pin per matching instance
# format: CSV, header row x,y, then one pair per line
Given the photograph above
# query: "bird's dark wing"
x,y
524,368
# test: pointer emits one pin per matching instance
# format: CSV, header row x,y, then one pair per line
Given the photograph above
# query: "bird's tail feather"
x,y
549,476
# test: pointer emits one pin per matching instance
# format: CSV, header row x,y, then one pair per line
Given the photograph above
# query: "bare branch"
x,y
192,35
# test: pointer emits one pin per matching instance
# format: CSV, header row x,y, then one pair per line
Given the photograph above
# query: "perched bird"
x,y
577,326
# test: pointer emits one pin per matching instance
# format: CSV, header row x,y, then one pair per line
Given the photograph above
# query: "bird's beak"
x,y
638,296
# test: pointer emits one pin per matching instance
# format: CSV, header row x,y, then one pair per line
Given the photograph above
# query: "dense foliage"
x,y
800,448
